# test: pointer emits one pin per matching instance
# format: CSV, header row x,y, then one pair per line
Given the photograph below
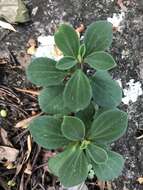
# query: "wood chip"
x,y
8,153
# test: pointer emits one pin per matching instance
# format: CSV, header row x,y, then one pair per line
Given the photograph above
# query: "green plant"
x,y
82,115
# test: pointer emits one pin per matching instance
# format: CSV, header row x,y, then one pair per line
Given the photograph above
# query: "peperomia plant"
x,y
81,114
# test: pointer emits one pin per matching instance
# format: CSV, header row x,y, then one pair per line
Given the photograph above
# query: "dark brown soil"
x,y
21,105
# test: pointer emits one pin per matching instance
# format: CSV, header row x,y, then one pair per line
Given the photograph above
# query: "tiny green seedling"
x,y
82,114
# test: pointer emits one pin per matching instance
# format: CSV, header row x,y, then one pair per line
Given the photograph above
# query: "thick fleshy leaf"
x,y
67,40
51,100
106,91
96,153
46,131
100,61
109,126
111,169
73,128
98,36
66,63
74,170
78,92
43,72
55,163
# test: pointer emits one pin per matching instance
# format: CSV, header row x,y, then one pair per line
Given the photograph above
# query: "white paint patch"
x,y
132,92
116,20
47,48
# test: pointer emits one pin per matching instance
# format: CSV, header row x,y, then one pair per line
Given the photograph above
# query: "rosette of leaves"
x,y
81,146
69,97
67,86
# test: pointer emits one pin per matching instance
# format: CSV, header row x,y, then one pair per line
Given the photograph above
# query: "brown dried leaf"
x,y
28,169
121,5
101,184
8,153
140,180
35,93
24,123
4,137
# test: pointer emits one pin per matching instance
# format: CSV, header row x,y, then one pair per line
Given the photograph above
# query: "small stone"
x,y
3,113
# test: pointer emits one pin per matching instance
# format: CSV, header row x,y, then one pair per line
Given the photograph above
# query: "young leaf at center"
x,y
73,128
66,63
77,92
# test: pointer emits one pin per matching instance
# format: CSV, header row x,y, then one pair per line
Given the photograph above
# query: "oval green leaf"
x,y
51,100
78,92
73,128
98,36
74,170
100,61
67,40
46,131
111,169
106,91
66,63
108,126
43,72
96,154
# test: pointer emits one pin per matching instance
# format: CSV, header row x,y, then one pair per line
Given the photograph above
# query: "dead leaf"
x,y
24,59
109,186
28,169
8,153
32,46
24,123
101,184
9,165
78,187
4,137
28,91
121,5
80,29
140,180
14,11
6,25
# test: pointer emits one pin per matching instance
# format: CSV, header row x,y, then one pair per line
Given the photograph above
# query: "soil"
x,y
21,105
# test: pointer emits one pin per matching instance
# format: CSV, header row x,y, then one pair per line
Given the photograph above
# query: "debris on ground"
x,y
14,11
24,123
132,92
140,180
117,21
7,26
121,5
32,45
8,153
